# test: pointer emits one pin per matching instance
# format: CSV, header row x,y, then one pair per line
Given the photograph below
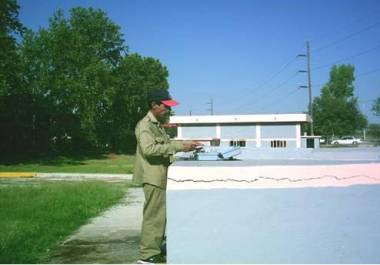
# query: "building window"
x,y
240,143
277,144
215,142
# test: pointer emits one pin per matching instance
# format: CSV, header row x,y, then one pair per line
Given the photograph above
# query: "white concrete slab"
x,y
280,207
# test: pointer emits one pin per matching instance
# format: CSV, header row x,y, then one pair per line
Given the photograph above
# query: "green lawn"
x,y
107,163
37,216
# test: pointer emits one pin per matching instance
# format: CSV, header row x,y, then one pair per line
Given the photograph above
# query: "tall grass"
x,y
37,217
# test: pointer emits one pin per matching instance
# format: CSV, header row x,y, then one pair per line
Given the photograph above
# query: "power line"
x,y
346,37
284,66
270,92
320,84
298,89
274,102
369,72
289,61
346,58
279,72
321,66
366,16
259,87
294,91
357,75
281,84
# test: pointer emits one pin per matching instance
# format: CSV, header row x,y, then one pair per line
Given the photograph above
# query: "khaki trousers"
x,y
154,221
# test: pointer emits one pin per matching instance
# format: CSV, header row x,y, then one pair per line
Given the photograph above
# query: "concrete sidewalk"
x,y
112,237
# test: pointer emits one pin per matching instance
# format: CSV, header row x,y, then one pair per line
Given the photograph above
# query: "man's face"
x,y
161,112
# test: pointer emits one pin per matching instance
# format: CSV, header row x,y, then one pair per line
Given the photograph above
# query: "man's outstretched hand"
x,y
191,145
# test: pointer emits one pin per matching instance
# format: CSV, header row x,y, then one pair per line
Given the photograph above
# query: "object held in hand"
x,y
199,148
218,153
212,153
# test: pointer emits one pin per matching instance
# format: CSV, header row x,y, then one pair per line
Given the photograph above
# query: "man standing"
x,y
153,156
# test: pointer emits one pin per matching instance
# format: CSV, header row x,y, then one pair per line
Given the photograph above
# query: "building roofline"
x,y
255,118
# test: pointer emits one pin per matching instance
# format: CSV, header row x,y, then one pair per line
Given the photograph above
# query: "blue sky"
x,y
243,54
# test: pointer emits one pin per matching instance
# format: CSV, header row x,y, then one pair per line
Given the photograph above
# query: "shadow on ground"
x,y
112,237
106,252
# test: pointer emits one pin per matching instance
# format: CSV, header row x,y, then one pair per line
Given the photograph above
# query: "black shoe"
x,y
163,249
152,260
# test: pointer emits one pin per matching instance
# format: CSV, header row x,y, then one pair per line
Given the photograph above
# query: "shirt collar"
x,y
152,117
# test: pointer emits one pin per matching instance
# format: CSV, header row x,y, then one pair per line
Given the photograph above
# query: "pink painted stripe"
x,y
276,176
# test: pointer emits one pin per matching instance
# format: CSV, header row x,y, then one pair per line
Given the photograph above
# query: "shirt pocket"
x,y
159,140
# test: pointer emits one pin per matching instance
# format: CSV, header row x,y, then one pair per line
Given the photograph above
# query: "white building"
x,y
259,131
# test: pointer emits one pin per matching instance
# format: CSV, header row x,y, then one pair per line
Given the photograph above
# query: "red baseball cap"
x,y
169,102
162,96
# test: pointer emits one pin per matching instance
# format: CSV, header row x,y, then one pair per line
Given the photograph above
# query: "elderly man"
x,y
153,156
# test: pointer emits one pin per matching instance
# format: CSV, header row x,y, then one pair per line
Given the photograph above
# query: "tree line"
x,y
72,86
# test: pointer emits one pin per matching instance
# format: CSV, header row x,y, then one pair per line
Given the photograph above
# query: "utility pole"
x,y
310,91
308,71
211,109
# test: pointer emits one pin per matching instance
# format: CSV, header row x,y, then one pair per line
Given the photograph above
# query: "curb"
x,y
64,176
83,176
18,174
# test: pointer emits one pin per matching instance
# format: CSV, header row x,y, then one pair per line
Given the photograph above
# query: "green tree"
x,y
13,97
374,131
376,107
71,86
68,69
336,111
9,26
135,77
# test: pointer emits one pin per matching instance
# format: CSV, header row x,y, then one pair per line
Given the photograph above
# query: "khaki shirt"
x,y
154,151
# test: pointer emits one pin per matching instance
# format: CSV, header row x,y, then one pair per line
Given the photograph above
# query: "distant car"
x,y
347,140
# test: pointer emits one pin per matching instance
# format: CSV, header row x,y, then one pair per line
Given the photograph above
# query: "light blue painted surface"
x,y
321,154
303,143
198,131
316,143
303,225
267,162
224,144
278,131
243,132
251,144
260,155
239,131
